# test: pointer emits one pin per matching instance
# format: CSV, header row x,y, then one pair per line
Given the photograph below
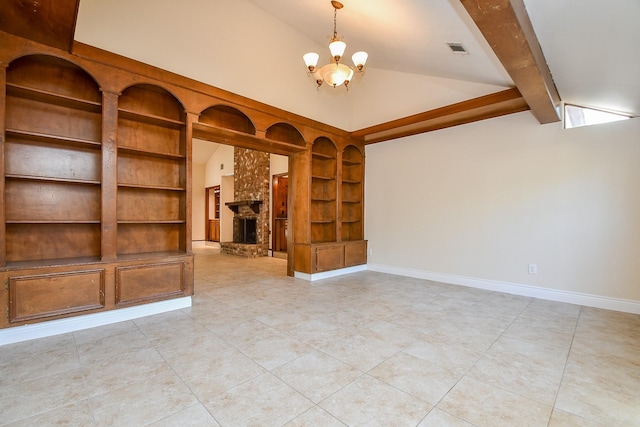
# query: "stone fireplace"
x,y
250,205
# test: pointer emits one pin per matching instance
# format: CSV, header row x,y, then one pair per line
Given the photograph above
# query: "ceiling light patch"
x,y
458,48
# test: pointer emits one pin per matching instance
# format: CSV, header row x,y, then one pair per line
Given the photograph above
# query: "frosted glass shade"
x,y
335,74
337,48
311,60
359,59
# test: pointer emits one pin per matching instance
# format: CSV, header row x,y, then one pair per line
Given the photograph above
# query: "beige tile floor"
x,y
367,349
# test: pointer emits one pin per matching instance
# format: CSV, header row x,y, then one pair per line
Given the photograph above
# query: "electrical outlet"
x,y
370,251
533,269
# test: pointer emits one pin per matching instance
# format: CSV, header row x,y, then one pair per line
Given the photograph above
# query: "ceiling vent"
x,y
458,48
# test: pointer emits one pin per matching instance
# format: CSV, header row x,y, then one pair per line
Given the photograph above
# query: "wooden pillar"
x,y
109,238
188,135
3,110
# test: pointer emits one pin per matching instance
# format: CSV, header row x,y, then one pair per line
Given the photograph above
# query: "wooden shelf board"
x,y
351,201
348,162
227,136
314,199
150,255
323,178
53,179
51,262
323,221
27,221
151,119
42,137
350,221
322,156
150,187
40,95
150,153
169,221
350,181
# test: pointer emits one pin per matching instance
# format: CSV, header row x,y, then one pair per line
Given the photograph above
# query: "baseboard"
x,y
71,324
328,274
589,300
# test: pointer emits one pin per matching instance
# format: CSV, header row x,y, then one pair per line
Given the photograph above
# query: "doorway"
x,y
280,185
212,213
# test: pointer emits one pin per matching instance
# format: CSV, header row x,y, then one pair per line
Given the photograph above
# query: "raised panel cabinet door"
x,y
329,258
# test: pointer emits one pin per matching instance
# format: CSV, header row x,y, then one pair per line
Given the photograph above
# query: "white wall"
x,y
218,165
198,202
484,200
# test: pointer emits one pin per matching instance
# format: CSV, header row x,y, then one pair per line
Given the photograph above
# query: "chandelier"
x,y
335,73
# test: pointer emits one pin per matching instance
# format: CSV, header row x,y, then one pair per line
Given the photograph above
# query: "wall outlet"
x,y
370,251
533,269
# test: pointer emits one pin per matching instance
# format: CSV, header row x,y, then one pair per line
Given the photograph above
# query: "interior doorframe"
x,y
273,211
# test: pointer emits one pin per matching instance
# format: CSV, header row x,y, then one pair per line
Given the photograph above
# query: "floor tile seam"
x,y
370,375
548,406
564,370
266,372
177,412
315,406
178,376
450,414
444,397
564,352
319,404
509,390
35,414
209,397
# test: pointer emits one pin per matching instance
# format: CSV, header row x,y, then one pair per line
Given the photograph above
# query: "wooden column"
x,y
109,176
3,109
188,135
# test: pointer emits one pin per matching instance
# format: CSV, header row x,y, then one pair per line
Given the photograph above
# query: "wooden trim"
x,y
247,106
3,109
506,26
493,105
239,139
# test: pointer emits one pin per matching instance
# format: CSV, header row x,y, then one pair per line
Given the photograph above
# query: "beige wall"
x,y
482,201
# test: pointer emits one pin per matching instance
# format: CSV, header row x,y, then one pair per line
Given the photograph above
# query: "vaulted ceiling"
x,y
520,53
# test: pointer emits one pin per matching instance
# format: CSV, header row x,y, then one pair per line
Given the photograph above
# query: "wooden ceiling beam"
x,y
507,28
50,22
485,107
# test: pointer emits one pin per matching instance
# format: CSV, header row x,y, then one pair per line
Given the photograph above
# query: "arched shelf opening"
x,y
287,133
323,210
152,172
351,194
224,116
53,119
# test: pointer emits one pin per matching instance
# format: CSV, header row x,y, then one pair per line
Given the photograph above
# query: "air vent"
x,y
458,48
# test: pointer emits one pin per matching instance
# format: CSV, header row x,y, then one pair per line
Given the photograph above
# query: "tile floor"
x,y
368,349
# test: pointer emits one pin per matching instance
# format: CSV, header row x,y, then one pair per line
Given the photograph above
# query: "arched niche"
x,y
151,100
324,146
323,191
50,74
285,132
226,117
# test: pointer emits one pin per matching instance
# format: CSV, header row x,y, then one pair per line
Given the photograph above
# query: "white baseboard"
x,y
589,300
328,274
71,324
